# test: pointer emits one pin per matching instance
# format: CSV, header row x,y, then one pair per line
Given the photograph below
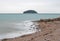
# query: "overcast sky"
x,y
19,6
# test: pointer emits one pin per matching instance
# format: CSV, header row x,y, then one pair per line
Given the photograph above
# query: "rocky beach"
x,y
50,31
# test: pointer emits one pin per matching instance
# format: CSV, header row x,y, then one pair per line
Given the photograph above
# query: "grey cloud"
x,y
39,5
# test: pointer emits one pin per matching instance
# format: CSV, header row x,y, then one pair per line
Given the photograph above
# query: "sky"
x,y
19,6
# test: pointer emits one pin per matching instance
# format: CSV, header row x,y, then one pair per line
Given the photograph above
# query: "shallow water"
x,y
11,30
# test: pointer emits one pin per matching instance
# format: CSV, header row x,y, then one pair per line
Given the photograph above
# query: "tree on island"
x,y
30,11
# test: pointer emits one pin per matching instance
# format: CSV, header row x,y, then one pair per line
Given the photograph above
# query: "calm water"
x,y
23,17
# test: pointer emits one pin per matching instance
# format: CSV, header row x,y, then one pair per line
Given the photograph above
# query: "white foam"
x,y
26,27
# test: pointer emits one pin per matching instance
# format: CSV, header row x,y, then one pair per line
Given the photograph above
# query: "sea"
x,y
14,25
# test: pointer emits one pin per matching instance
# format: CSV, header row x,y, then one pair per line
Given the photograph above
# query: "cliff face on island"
x,y
50,31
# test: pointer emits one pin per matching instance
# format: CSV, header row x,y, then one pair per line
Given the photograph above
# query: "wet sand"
x,y
50,31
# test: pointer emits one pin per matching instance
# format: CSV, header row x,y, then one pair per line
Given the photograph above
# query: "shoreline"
x,y
50,29
28,26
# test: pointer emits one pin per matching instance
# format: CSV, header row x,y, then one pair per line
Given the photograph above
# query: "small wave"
x,y
25,27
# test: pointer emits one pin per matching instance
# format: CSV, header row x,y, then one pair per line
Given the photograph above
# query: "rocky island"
x,y
50,31
30,11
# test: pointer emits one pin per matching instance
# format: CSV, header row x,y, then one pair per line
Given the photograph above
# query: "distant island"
x,y
30,11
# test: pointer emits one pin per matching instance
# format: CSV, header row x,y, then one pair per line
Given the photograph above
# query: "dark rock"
x,y
30,11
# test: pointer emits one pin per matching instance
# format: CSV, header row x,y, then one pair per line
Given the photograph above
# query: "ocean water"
x,y
23,17
14,25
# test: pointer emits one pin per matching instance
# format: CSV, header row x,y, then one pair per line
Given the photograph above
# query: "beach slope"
x,y
50,31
